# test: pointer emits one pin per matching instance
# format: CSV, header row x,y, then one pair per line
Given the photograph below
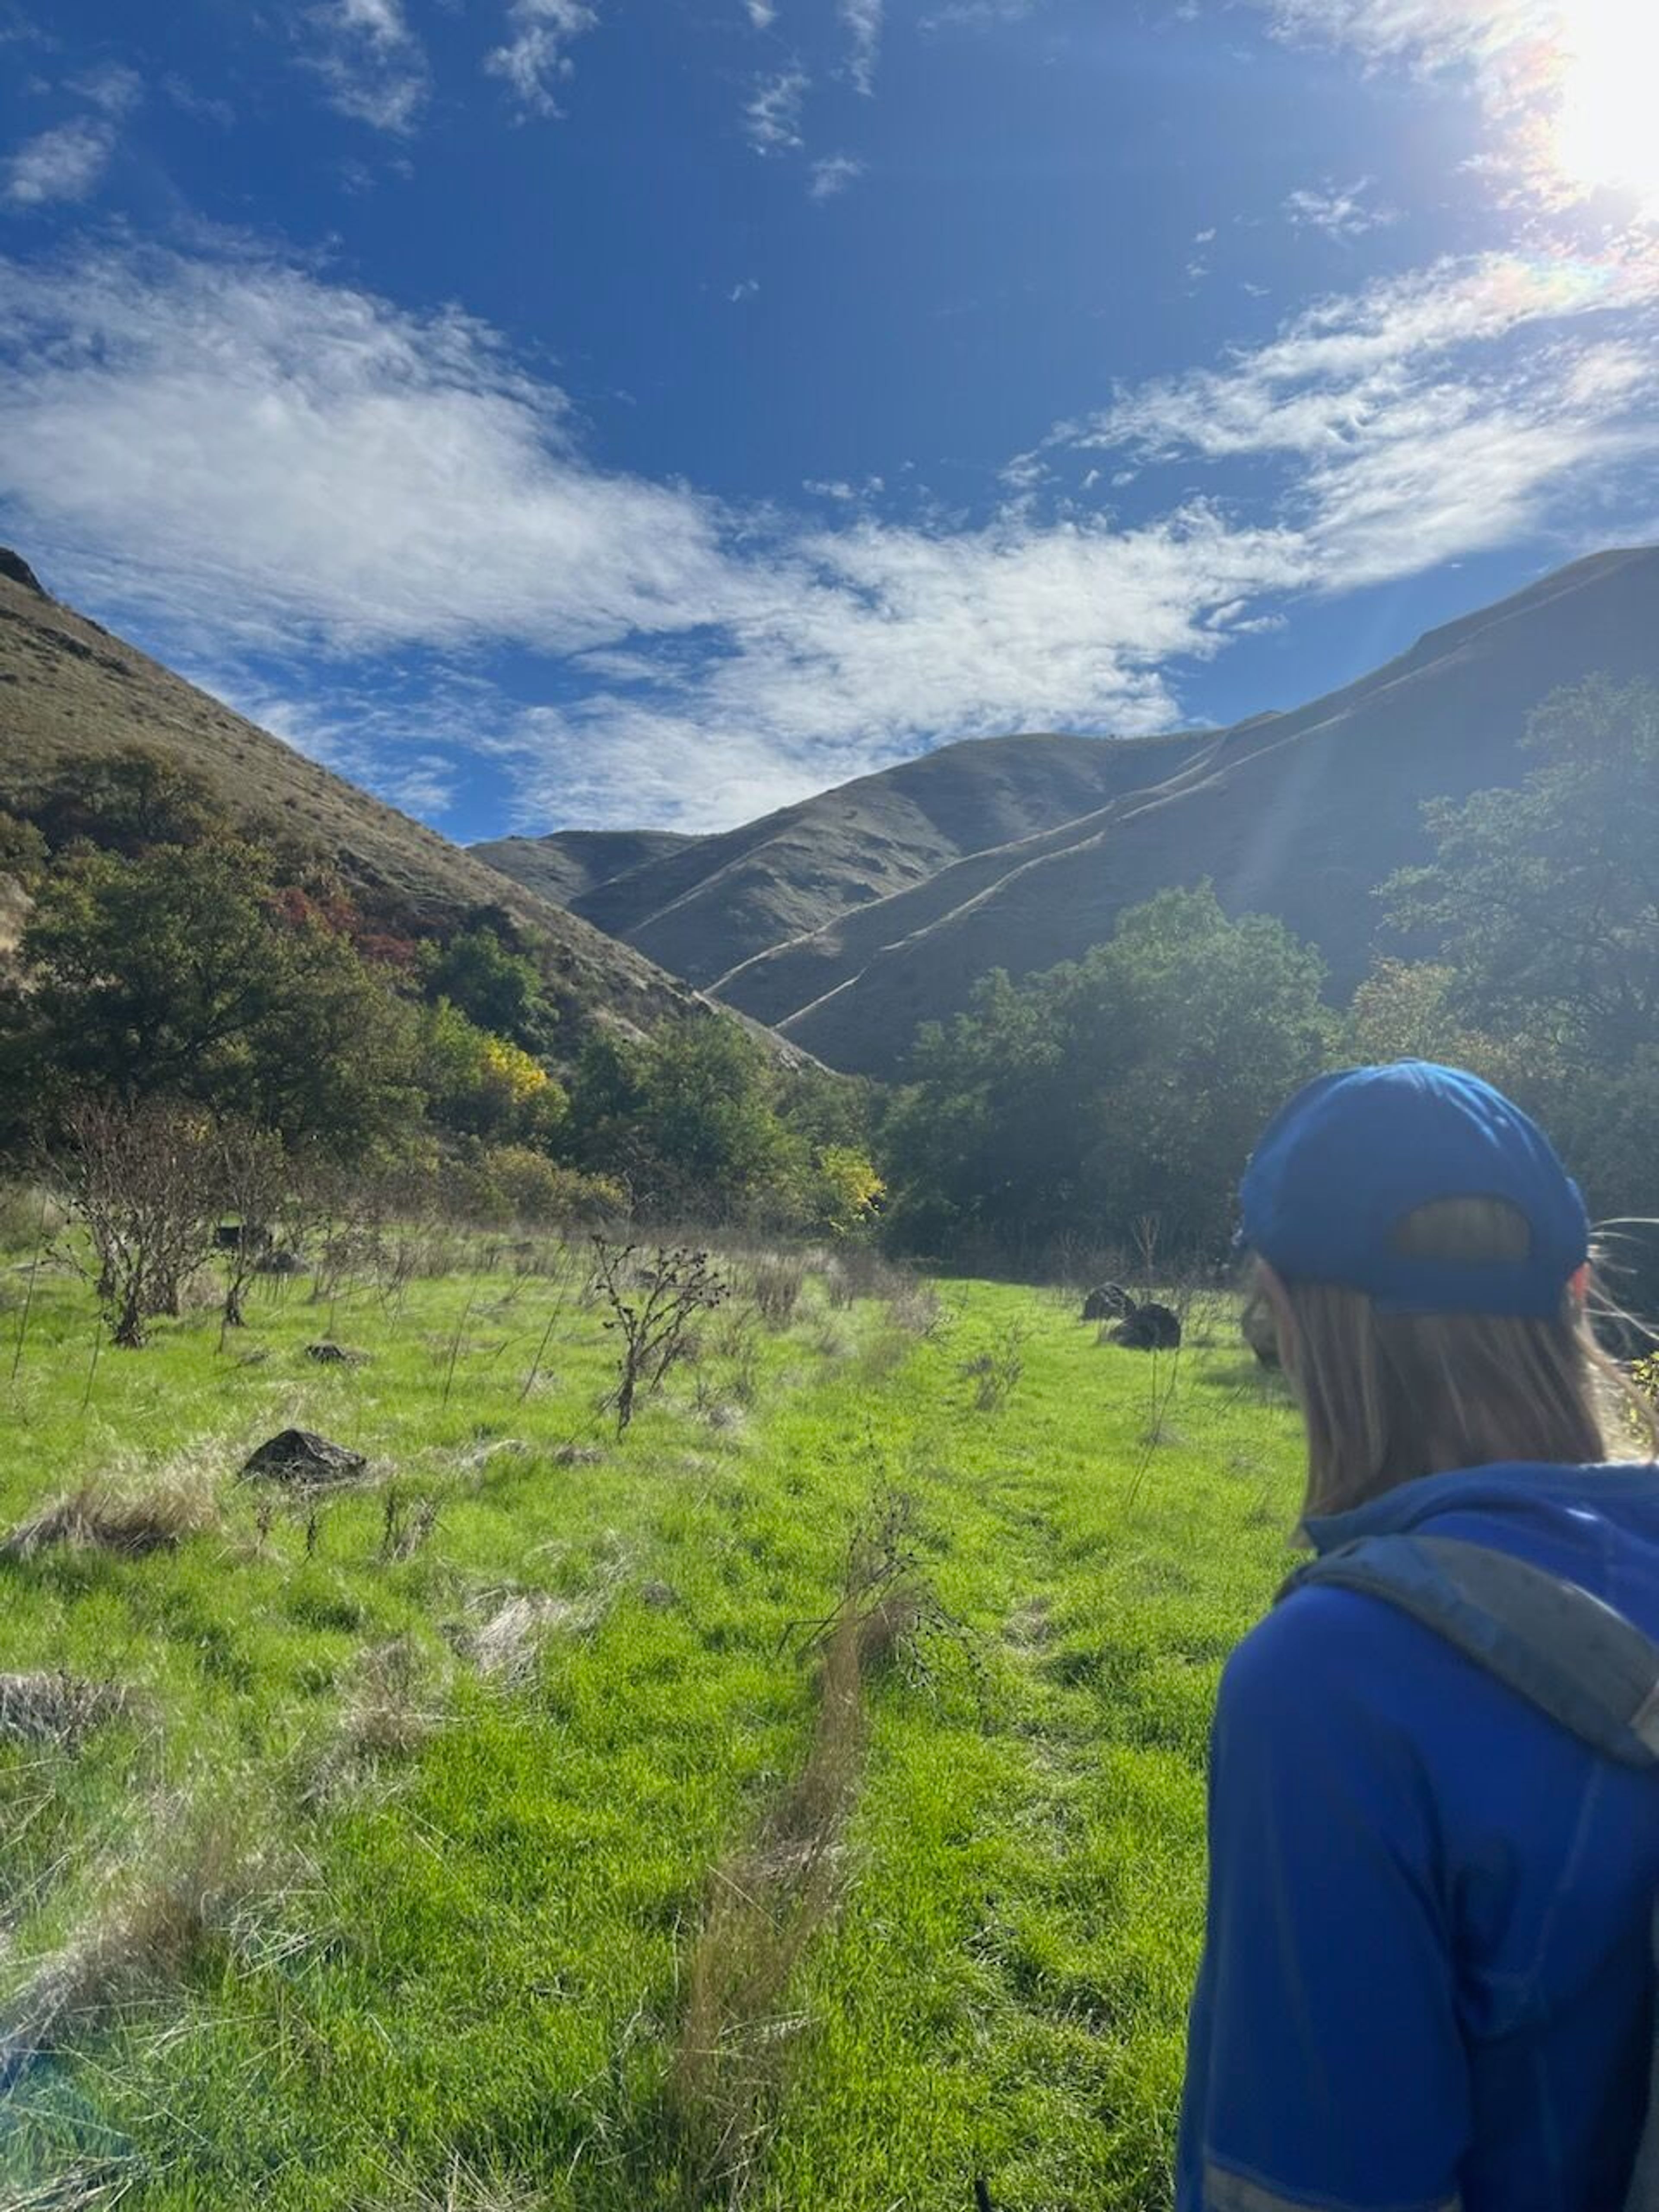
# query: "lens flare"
x,y
1606,127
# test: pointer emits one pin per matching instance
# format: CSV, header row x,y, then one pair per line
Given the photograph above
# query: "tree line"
x,y
170,960
1127,1087
169,957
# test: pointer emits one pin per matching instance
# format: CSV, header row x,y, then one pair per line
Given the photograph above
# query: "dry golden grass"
x,y
47,1708
193,1886
126,1517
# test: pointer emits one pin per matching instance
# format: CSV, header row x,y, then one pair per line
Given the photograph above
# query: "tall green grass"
x,y
384,1889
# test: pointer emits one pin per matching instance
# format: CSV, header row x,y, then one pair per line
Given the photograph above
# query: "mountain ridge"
x,y
1298,811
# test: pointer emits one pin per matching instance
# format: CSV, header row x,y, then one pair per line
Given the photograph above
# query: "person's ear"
x,y
1272,1287
1578,1285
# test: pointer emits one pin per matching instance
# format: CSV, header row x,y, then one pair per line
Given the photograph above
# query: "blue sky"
x,y
617,411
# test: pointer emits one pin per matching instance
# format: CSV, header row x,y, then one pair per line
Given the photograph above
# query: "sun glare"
x,y
1607,129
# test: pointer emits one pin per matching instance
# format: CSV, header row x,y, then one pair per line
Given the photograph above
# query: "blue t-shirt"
x,y
1427,1980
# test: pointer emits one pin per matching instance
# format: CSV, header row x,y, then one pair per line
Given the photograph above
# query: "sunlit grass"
x,y
415,1810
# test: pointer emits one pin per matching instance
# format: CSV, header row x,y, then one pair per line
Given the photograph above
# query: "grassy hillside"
x,y
571,863
711,908
1300,815
525,1826
846,920
70,690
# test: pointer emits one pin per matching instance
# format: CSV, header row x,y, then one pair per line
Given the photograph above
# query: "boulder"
x,y
1108,1302
335,1355
1150,1328
17,571
301,1456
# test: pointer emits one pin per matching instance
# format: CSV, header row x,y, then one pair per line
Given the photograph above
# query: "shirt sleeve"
x,y
1326,2068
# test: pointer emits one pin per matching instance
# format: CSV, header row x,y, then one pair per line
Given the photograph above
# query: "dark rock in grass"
x,y
1108,1302
1150,1328
281,1261
298,1456
335,1355
240,1236
661,1597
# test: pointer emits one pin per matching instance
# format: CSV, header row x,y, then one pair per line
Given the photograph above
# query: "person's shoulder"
x,y
1323,1653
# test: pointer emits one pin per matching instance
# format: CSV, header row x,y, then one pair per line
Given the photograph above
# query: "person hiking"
x,y
1434,1815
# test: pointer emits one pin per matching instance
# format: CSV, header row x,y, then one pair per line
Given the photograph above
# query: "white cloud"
x,y
65,163
744,289
533,60
1426,416
259,468
372,65
862,20
1339,211
772,118
1435,33
761,14
112,87
294,461
832,176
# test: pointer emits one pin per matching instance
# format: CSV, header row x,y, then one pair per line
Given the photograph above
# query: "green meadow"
x,y
796,1801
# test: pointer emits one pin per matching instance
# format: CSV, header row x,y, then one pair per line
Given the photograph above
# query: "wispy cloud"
x,y
1341,211
862,20
371,64
761,14
263,469
832,176
1424,416
62,164
111,87
535,60
772,116
67,161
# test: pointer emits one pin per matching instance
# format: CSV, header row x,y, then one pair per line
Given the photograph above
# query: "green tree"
x,y
480,1084
688,1119
130,800
1545,900
172,974
494,986
1132,1082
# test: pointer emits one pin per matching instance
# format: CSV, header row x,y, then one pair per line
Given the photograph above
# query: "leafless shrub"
x,y
105,1515
405,1525
251,1178
994,1373
651,1304
140,1181
776,1284
914,1307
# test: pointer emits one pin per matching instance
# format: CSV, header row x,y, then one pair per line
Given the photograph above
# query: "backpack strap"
x,y
1563,1650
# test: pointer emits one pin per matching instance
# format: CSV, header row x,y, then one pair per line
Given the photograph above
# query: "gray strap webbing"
x,y
1570,1654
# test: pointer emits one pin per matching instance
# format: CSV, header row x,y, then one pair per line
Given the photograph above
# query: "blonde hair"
x,y
1386,1397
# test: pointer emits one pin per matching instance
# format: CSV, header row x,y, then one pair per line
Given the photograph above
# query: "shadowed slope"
x,y
1299,815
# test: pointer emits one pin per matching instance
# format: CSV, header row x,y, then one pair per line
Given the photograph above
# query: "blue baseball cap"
x,y
1343,1163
